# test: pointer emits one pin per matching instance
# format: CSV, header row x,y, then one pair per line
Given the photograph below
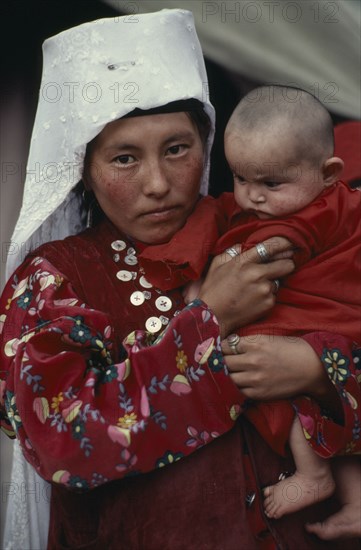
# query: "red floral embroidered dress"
x,y
89,409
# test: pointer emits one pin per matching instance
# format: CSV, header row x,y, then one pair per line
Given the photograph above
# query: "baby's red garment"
x,y
323,293
348,147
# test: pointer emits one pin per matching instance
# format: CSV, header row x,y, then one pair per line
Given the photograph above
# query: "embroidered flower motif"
x,y
78,483
8,303
168,458
110,373
350,447
181,360
356,357
198,439
58,280
336,365
78,428
98,479
56,402
127,421
12,412
215,361
79,332
25,299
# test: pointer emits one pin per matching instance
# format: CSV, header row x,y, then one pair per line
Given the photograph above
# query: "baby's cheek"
x,y
239,195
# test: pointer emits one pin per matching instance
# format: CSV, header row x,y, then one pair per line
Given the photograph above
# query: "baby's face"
x,y
268,180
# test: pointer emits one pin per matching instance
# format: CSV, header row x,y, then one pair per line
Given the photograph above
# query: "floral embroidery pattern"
x,y
78,429
168,458
129,461
181,360
80,332
216,362
12,411
109,408
25,300
336,365
78,483
128,420
56,402
198,439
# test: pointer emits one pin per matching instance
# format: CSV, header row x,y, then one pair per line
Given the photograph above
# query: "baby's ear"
x,y
331,170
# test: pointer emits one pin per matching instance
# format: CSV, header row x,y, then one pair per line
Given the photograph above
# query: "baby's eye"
x,y
125,159
238,178
271,184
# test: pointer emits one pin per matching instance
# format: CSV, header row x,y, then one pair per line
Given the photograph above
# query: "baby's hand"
x,y
191,291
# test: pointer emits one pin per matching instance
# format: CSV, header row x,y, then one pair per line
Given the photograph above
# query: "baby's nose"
x,y
255,193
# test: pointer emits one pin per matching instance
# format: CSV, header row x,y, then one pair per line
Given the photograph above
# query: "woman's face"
x,y
145,173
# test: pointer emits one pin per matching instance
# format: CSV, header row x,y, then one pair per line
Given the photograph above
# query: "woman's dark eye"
x,y
125,159
176,149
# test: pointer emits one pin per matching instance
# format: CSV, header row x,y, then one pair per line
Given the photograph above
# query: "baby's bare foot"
x,y
343,525
296,492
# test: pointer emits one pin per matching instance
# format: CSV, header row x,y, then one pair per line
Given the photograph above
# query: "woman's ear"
x,y
331,170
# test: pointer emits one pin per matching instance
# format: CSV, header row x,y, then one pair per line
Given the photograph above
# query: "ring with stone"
x,y
276,288
233,340
262,252
232,252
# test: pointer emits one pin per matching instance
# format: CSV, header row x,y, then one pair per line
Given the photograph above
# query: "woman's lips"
x,y
161,213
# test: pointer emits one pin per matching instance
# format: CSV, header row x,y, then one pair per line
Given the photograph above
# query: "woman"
x,y
89,410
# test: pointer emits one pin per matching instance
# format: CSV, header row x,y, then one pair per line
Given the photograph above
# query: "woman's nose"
x,y
155,180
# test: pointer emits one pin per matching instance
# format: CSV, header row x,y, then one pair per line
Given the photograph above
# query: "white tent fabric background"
x,y
312,44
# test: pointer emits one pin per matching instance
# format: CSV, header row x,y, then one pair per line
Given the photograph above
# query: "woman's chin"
x,y
157,236
160,233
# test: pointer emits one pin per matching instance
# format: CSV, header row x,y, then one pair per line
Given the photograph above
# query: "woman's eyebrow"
x,y
120,146
178,136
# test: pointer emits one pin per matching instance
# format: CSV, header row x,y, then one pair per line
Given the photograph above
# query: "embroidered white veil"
x,y
92,74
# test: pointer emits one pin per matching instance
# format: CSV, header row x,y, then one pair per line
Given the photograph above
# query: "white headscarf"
x,y
93,74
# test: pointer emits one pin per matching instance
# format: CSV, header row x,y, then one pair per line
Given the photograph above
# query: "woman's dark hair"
x,y
192,107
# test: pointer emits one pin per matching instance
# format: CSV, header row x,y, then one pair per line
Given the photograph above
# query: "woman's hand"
x,y
279,367
191,290
240,290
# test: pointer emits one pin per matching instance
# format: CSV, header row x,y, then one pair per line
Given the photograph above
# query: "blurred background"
x,y
312,44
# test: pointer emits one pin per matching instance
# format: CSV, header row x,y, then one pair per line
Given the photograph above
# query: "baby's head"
x,y
279,145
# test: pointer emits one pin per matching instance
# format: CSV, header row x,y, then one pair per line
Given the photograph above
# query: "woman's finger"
x,y
267,250
278,269
232,345
231,253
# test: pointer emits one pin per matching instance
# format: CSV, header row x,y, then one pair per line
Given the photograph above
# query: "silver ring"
x,y
232,252
233,340
276,282
262,252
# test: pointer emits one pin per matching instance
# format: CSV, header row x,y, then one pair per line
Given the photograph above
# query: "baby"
x,y
279,146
